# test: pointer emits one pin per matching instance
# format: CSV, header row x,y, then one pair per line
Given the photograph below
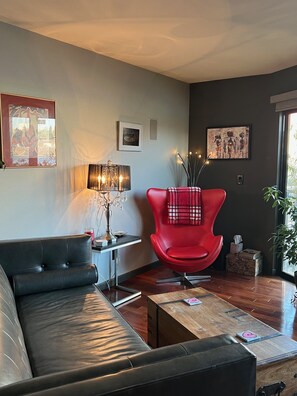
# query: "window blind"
x,y
285,101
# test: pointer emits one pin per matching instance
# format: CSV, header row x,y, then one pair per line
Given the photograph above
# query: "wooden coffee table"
x,y
171,320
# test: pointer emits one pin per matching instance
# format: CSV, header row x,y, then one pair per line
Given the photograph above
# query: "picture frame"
x,y
228,143
130,136
28,131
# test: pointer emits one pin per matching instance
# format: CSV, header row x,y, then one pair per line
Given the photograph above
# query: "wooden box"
x,y
245,263
276,354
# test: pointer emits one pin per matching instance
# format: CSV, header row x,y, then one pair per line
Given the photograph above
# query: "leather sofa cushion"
x,y
54,280
14,363
73,328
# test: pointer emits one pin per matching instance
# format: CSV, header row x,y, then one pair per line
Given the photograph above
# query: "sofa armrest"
x,y
204,367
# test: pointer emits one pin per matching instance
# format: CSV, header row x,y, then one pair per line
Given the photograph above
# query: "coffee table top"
x,y
216,316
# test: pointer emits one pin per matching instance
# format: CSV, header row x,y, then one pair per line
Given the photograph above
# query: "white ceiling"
x,y
189,40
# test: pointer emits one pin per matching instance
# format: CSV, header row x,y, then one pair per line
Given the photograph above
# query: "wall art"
x,y
130,136
228,142
28,131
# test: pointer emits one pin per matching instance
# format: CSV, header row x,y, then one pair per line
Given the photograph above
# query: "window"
x,y
288,169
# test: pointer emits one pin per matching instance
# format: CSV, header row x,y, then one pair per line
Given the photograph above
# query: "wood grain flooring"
x,y
265,297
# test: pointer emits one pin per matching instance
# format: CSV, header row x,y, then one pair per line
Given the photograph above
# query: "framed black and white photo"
x,y
228,142
130,136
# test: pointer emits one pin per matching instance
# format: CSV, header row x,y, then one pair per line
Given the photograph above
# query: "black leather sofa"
x,y
60,336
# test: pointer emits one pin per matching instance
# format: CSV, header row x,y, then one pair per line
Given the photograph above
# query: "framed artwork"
x,y
28,131
228,142
130,136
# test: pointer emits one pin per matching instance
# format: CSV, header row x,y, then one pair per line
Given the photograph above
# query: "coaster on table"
x,y
192,301
248,336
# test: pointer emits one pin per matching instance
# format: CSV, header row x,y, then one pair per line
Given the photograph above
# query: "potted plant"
x,y
284,238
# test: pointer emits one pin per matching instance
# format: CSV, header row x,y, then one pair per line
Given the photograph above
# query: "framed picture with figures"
x,y
228,142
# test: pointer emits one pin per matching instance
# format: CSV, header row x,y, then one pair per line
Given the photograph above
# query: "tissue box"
x,y
244,264
236,247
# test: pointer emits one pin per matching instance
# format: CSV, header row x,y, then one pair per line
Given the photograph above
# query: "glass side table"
x,y
112,249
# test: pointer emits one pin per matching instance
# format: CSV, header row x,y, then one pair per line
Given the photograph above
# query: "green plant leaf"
x,y
284,239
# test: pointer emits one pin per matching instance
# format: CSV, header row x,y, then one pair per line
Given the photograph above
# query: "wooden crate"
x,y
171,321
242,264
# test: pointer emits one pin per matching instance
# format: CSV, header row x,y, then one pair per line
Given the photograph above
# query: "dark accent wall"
x,y
242,101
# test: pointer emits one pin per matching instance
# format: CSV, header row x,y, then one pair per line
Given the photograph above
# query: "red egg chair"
x,y
186,248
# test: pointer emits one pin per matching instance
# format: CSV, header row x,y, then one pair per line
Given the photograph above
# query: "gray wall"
x,y
92,93
242,101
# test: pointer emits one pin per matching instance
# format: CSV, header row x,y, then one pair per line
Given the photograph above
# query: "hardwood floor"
x,y
264,297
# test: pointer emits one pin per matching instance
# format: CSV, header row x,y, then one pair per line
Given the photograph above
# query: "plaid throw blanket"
x,y
184,205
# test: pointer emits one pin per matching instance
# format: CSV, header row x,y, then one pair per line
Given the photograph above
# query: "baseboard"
x,y
129,275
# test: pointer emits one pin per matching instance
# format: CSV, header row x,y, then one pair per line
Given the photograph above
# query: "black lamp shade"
x,y
109,177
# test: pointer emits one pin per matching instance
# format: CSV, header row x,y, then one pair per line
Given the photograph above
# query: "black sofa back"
x,y
44,254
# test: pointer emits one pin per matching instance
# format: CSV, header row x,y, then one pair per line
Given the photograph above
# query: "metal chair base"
x,y
186,279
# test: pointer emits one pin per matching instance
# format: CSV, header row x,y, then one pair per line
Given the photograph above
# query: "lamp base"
x,y
109,237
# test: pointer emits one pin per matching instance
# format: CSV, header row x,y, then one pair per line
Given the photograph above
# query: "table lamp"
x,y
110,181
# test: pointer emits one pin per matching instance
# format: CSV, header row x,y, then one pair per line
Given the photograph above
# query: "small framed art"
x,y
28,133
130,136
228,142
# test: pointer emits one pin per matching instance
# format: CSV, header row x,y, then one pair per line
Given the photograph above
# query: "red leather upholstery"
x,y
186,248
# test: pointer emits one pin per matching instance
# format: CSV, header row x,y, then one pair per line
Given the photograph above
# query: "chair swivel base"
x,y
186,279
